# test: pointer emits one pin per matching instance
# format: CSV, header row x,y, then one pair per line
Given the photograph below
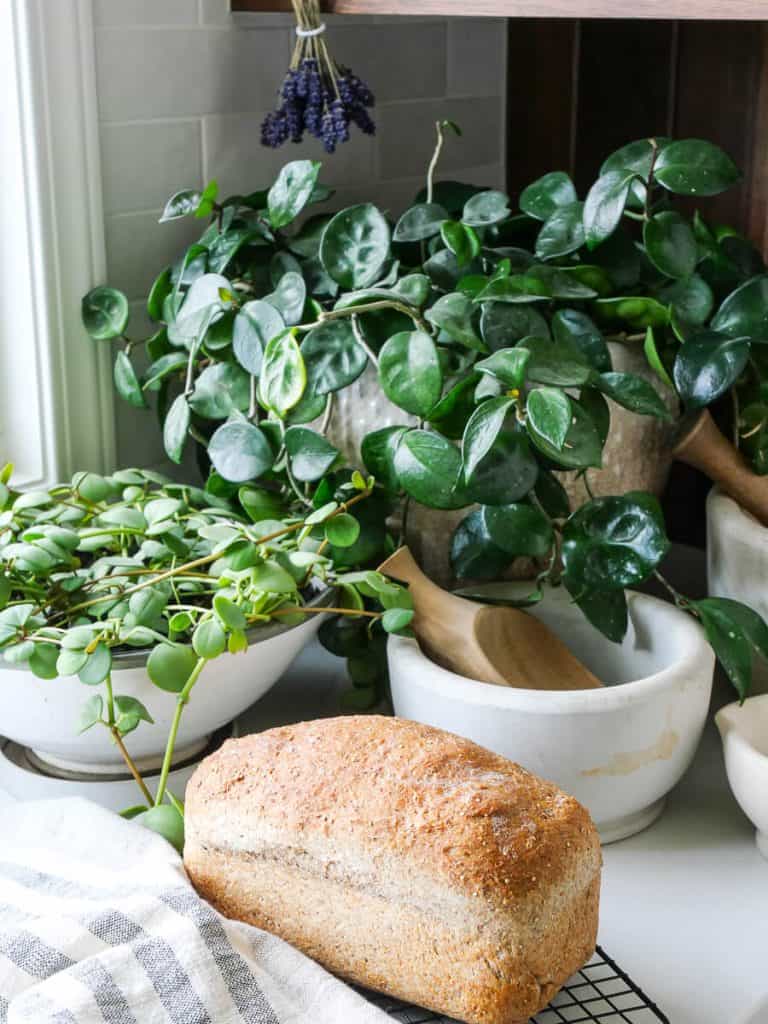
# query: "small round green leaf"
x,y
409,372
169,666
486,208
105,313
220,390
310,454
166,821
670,244
427,466
342,530
419,223
694,167
283,375
355,246
240,451
332,357
209,639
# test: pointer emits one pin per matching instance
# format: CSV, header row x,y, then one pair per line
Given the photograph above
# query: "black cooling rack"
x,y
600,993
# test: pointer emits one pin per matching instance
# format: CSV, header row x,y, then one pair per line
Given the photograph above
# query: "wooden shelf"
x,y
714,10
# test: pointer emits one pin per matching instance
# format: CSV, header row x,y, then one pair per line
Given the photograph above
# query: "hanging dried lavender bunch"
x,y
317,95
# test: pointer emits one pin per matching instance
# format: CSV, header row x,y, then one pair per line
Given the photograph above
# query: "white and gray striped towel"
x,y
99,925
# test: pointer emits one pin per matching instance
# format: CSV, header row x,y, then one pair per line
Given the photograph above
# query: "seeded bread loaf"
x,y
403,858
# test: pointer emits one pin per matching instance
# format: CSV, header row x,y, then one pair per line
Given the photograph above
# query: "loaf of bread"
x,y
403,858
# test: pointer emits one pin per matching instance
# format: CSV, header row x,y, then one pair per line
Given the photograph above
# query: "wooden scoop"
x,y
494,645
703,446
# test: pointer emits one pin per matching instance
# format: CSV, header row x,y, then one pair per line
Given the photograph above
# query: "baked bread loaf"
x,y
403,858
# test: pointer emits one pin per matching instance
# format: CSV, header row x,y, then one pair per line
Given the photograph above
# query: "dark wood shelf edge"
x,y
705,10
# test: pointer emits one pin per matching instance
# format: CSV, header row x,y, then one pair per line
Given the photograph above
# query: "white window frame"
x,y
56,411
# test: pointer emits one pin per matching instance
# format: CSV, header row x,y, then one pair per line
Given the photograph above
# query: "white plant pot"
x,y
744,732
737,563
43,713
618,749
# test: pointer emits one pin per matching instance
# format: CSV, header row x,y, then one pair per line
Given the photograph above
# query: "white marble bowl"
x,y
744,732
617,749
43,713
737,563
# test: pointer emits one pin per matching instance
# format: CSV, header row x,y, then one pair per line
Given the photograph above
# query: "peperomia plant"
x,y
132,560
488,328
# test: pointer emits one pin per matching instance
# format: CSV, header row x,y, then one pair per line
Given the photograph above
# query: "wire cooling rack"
x,y
600,993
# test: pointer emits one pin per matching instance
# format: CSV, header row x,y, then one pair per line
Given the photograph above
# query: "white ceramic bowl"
x,y
43,713
737,563
744,732
617,749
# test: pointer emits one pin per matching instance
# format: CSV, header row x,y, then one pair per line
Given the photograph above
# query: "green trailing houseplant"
x,y
135,561
486,325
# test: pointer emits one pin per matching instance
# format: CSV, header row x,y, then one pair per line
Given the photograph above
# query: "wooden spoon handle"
x,y
706,449
431,601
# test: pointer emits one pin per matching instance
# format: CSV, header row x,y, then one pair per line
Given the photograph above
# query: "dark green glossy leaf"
x,y
612,543
220,390
635,157
502,324
420,222
549,414
409,372
583,446
126,382
240,451
332,356
160,290
707,365
355,246
541,198
473,553
486,208
729,642
164,367
670,244
378,452
556,362
691,300
605,205
451,413
744,313
507,365
175,428
104,313
606,610
576,328
498,466
620,258
633,393
519,529
427,466
694,167
455,314
562,232
310,454
291,191
461,240
255,326
552,496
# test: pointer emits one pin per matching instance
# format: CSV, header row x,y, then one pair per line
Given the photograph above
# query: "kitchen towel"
x,y
100,925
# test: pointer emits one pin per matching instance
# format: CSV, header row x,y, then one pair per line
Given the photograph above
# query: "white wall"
x,y
182,90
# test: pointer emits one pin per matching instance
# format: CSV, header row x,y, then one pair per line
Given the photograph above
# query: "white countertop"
x,y
684,907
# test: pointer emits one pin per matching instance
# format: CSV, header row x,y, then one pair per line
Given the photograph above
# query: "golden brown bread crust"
x,y
401,857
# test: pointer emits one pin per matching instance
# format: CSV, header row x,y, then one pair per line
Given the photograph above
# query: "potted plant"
x,y
494,353
129,585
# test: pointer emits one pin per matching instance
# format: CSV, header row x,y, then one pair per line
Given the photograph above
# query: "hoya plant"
x,y
487,326
132,560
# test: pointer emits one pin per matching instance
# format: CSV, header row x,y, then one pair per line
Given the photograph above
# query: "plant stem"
x,y
433,162
327,414
363,343
736,415
649,182
369,307
681,601
325,610
120,745
169,747
294,486
252,404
